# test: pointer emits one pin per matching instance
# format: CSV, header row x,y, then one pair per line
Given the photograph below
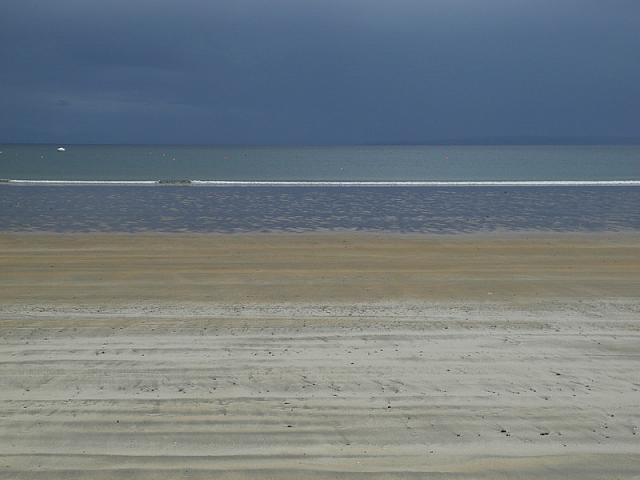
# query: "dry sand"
x,y
319,356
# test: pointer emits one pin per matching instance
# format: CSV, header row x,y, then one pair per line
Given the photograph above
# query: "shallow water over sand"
x,y
276,209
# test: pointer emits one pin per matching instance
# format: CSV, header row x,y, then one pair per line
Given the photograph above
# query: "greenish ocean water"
x,y
339,163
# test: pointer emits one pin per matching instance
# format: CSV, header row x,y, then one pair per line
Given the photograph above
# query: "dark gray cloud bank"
x,y
317,71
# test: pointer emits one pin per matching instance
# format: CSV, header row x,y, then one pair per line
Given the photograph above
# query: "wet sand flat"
x,y
116,269
319,356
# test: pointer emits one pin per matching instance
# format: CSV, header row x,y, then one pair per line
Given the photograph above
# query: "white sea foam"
x,y
497,183
83,182
252,183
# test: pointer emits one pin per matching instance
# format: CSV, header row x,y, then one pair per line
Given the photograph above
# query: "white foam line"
x,y
417,183
249,183
84,182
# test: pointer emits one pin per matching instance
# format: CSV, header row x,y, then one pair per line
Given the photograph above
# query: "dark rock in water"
x,y
174,182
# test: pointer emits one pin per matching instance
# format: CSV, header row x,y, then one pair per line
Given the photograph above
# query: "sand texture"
x,y
319,356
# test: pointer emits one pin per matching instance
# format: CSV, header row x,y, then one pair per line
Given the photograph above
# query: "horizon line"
x,y
487,141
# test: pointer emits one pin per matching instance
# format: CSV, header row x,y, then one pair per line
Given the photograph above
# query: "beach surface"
x,y
353,356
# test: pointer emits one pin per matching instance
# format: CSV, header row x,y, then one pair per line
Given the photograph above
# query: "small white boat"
x,y
62,149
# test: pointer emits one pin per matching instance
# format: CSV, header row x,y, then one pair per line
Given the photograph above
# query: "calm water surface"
x,y
295,209
352,163
317,208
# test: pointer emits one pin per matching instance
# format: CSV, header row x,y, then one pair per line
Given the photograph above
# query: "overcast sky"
x,y
317,71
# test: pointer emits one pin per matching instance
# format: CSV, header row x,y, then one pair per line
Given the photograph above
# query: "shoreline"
x,y
520,234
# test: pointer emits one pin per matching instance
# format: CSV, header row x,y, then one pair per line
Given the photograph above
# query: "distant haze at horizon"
x,y
480,141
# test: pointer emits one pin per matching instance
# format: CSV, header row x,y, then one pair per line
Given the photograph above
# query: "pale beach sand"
x,y
319,356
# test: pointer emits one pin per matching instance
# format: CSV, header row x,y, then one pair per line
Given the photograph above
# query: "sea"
x,y
404,189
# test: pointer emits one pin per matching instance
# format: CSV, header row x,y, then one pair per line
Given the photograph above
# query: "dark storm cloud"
x,y
317,71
